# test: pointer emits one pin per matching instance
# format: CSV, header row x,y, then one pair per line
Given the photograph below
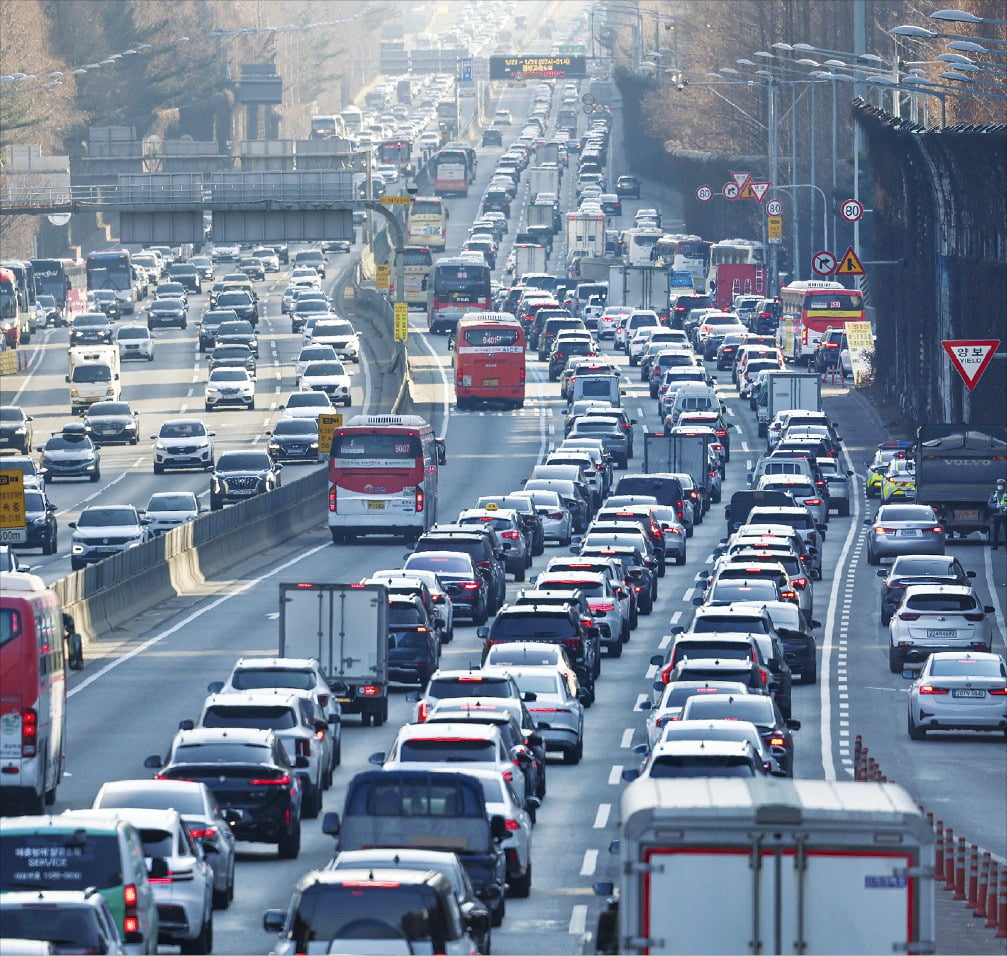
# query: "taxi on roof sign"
x,y
492,506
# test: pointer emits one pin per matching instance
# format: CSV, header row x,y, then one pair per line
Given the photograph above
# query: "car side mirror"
x,y
272,921
330,824
697,602
153,762
498,828
186,724
989,609
629,775
882,573
377,758
215,687
657,660
529,696
794,724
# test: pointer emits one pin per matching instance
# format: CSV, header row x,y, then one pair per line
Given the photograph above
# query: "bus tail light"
x,y
130,920
421,499
332,498
29,732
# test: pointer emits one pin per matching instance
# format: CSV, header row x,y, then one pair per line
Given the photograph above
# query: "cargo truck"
x,y
957,467
770,865
784,391
529,258
585,235
345,628
543,179
639,287
680,454
93,375
542,215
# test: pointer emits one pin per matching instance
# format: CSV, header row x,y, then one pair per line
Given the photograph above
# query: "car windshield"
x,y
243,461
91,373
105,517
755,708
260,716
172,501
229,375
913,566
312,305
440,563
153,797
132,332
231,351
727,592
295,426
471,685
182,430
90,321
721,624
106,409
234,298
324,368
967,667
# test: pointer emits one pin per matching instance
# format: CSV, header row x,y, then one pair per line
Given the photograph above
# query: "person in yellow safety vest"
x,y
998,505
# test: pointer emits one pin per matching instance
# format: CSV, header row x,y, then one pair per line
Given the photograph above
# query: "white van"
x,y
693,398
596,388
93,375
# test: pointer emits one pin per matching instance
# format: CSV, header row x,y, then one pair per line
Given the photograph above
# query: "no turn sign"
x,y
823,263
704,194
774,208
852,210
730,190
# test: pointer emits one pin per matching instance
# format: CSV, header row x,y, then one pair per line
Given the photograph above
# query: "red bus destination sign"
x,y
513,66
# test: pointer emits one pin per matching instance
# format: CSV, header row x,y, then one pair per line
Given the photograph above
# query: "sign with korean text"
x,y
774,227
512,66
327,425
12,510
396,200
381,273
860,341
970,357
401,321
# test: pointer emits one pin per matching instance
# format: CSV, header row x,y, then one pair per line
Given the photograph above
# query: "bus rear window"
x,y
387,447
10,626
416,257
426,207
491,337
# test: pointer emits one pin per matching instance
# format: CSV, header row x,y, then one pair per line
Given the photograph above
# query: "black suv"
x,y
238,332
684,304
15,429
249,773
414,647
187,274
91,328
482,545
209,324
242,474
240,302
828,350
564,350
551,624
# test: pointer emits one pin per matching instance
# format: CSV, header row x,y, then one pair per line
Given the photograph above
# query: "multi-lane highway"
x,y
139,683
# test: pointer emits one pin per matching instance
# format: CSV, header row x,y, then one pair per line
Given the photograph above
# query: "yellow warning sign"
x,y
401,315
774,225
327,425
396,200
850,264
381,273
859,335
12,509
747,192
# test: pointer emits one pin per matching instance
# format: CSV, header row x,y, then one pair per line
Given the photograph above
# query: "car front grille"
x,y
242,482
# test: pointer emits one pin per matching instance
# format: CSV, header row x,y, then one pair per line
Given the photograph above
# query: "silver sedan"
x,y
904,529
958,691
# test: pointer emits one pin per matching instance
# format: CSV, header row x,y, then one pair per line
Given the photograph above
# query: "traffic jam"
x,y
654,598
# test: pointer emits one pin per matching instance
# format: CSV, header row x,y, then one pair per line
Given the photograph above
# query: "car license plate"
x,y
491,382
939,635
968,693
375,506
243,492
962,515
909,533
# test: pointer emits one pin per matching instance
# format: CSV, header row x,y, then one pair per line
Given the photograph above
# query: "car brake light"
x,y
484,565
777,742
930,689
937,529
908,616
512,825
421,499
129,895
555,515
422,711
603,608
510,535
800,583
470,585
812,501
788,595
508,775
369,690
203,833
998,691
281,781
880,530
764,676
975,616
332,498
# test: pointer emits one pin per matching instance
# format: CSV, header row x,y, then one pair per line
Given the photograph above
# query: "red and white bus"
x,y
810,306
454,169
489,362
32,693
383,477
396,152
65,280
457,285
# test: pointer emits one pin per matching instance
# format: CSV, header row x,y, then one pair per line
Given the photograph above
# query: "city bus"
x,y
427,222
32,692
24,284
10,311
383,477
113,269
457,286
416,264
454,169
65,281
736,268
684,254
326,127
489,359
396,151
638,245
810,306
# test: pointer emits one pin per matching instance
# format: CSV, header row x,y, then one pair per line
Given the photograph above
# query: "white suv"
x,y
229,386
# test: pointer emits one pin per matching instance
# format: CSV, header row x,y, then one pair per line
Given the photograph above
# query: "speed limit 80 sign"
x,y
852,210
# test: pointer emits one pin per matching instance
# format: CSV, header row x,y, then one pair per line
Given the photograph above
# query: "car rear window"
x,y
262,717
744,590
967,667
453,749
527,627
469,686
906,513
404,616
696,766
249,679
717,624
71,929
724,650
68,860
941,602
154,797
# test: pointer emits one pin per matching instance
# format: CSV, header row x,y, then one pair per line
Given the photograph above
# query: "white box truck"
x,y
770,865
585,235
529,258
93,375
543,179
345,628
640,287
784,391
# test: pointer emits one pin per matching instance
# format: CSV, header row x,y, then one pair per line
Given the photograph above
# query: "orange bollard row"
x,y
973,878
992,895
1001,932
960,869
949,859
979,909
939,855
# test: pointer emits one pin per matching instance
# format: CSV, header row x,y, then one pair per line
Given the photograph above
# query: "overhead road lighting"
x,y
962,16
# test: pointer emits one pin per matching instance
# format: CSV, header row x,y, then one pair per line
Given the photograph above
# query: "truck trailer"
x,y
785,391
770,865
